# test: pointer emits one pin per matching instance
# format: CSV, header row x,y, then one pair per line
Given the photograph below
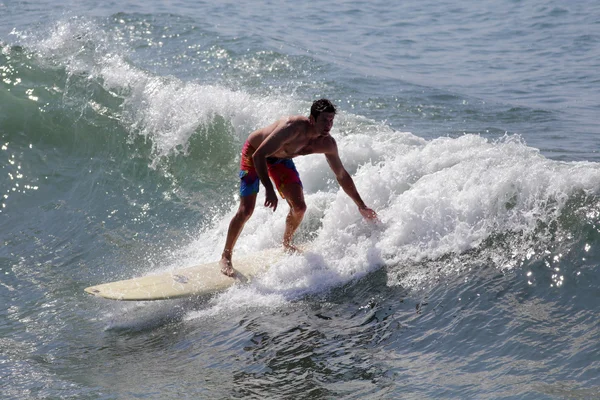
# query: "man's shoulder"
x,y
329,144
291,125
298,120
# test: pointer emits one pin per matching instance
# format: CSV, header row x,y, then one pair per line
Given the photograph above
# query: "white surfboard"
x,y
198,280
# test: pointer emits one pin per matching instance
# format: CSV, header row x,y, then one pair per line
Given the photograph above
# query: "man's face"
x,y
324,122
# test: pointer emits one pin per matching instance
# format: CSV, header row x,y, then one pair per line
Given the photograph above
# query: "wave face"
x,y
120,148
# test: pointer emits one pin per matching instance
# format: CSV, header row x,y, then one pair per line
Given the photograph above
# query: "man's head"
x,y
320,106
326,110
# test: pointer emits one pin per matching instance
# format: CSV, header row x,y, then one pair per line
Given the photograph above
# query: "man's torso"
x,y
301,142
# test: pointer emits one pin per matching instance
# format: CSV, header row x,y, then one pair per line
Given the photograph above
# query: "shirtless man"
x,y
268,152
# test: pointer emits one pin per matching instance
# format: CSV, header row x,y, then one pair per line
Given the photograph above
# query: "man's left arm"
x,y
347,183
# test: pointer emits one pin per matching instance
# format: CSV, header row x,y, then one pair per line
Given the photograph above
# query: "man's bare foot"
x,y
227,267
291,249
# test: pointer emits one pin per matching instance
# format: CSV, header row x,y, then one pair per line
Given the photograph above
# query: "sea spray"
x,y
449,205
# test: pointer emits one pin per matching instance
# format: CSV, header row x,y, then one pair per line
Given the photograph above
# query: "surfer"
x,y
268,152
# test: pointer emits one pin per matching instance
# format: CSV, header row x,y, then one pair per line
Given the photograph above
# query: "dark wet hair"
x,y
321,106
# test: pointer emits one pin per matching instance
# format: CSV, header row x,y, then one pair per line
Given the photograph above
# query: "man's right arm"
x,y
276,139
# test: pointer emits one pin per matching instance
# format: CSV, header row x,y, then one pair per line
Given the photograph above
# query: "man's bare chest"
x,y
293,148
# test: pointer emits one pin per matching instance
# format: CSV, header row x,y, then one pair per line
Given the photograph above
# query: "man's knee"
x,y
298,208
245,210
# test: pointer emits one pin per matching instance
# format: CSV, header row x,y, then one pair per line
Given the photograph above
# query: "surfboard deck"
x,y
199,280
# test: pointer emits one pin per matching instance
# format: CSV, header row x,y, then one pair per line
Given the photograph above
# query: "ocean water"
x,y
470,127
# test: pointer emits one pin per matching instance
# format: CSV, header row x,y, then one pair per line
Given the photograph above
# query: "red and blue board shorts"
x,y
282,171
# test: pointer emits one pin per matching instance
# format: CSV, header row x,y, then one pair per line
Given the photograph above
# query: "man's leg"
x,y
295,197
235,228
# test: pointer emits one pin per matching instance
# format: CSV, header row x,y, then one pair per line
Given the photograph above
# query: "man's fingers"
x,y
271,201
271,204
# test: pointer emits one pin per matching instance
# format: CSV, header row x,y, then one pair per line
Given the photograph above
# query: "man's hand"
x,y
271,199
368,214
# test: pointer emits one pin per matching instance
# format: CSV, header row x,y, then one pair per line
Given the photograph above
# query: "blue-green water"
x,y
470,127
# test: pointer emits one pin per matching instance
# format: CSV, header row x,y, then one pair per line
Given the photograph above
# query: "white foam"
x,y
434,198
